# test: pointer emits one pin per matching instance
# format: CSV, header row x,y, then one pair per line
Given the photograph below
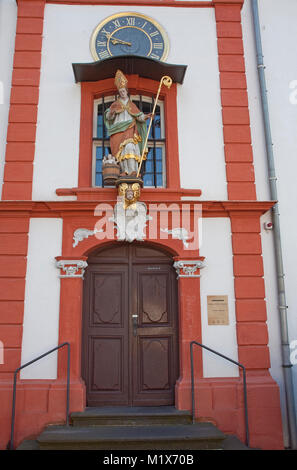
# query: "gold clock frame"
x,y
132,13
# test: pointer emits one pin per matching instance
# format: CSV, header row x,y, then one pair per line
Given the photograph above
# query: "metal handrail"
x,y
244,384
11,443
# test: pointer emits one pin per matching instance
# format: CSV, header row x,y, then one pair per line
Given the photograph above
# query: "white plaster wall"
x,y
42,298
217,279
200,128
67,32
254,98
278,30
8,16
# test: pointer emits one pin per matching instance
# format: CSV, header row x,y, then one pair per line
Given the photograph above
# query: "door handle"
x,y
135,324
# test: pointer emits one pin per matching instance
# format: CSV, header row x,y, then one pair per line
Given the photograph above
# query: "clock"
x,y
129,34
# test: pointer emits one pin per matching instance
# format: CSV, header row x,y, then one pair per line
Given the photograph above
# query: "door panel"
x,y
107,296
123,362
153,298
154,363
155,358
105,355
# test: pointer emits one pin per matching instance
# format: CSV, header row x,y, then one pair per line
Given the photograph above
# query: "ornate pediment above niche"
x,y
131,65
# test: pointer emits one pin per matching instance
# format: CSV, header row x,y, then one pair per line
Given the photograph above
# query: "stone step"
x,y
130,416
154,437
229,443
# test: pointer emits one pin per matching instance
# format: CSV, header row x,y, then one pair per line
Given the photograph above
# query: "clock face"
x,y
129,34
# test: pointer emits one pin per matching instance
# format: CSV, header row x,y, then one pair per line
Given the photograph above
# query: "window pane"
x,y
155,132
98,166
98,153
153,167
148,180
149,166
159,179
157,123
100,124
98,181
147,107
159,153
150,154
159,166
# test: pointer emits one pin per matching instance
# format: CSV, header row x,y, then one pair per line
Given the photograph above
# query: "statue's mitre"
x,y
120,80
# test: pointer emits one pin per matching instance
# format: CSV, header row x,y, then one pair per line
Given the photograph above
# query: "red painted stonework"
x,y
233,80
189,329
248,265
24,100
13,251
251,310
236,123
238,152
17,185
26,77
252,332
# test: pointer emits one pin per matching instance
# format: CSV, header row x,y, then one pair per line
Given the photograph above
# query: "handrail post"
x,y
192,383
11,442
244,384
245,407
68,384
13,409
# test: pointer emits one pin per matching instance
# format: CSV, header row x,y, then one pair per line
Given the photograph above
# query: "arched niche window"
x,y
162,166
154,168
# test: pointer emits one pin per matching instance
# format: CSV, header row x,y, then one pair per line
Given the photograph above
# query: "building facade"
x,y
128,301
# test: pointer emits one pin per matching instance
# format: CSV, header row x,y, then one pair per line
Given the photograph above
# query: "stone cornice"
x,y
160,3
76,208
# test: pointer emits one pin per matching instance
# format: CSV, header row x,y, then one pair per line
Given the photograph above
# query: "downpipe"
x,y
286,363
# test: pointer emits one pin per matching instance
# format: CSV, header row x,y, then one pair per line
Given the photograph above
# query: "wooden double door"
x,y
130,338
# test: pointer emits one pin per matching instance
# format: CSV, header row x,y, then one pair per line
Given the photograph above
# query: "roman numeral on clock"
x,y
103,55
101,43
155,56
158,45
130,21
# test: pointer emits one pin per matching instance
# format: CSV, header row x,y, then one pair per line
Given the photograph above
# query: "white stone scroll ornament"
x,y
130,222
178,233
188,268
72,268
81,233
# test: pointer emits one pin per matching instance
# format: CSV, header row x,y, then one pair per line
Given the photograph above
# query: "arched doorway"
x,y
130,322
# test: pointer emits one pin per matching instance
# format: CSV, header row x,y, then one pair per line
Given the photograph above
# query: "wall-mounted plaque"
x,y
217,310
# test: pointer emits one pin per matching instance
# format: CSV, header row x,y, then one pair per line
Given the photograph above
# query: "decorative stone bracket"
x,y
71,268
81,233
188,268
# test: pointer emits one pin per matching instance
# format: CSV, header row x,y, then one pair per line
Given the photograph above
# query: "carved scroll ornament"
x,y
188,268
71,268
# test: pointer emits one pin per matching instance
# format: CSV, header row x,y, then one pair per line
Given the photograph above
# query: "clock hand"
x,y
119,41
116,40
